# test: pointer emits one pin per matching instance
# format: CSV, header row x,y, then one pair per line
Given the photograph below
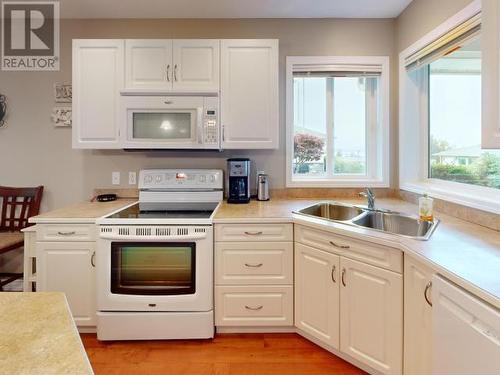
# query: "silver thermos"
x,y
262,187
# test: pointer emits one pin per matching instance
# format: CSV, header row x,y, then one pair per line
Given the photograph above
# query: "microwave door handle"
x,y
199,115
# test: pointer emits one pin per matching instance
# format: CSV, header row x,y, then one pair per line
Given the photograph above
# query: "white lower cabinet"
x,y
371,315
317,294
254,276
260,306
69,267
348,305
417,318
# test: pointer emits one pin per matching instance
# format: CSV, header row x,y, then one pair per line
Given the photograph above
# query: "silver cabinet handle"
x,y
333,273
66,233
254,265
339,246
253,233
168,102
92,259
427,287
254,308
343,277
168,73
175,72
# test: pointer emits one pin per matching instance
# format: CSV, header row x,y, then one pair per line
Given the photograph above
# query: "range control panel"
x,y
161,179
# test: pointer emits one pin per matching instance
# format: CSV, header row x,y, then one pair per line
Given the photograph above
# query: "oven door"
x,y
156,275
163,122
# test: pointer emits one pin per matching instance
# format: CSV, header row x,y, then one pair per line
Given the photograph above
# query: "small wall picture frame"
x,y
63,93
62,116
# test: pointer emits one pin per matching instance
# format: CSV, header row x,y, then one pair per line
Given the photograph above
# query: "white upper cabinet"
x,y
196,65
97,81
249,93
490,45
371,316
148,64
184,65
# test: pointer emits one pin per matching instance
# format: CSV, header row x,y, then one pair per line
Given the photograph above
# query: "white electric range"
x,y
154,260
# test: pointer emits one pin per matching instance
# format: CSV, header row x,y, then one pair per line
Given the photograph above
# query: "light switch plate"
x,y
115,178
132,178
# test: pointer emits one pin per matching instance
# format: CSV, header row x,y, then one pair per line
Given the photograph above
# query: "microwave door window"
x,y
153,269
165,126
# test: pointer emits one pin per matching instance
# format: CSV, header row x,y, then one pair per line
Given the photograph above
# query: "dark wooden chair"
x,y
17,206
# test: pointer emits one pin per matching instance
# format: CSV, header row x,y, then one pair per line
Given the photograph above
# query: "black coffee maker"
x,y
238,171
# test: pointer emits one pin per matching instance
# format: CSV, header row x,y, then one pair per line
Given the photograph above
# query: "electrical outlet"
x,y
132,178
115,178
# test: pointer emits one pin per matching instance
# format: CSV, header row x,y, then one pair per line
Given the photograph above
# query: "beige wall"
x,y
422,16
33,152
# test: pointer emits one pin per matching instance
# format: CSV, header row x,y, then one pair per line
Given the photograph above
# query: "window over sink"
x,y
441,109
337,121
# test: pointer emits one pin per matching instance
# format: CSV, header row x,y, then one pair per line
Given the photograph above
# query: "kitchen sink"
x,y
332,211
374,219
396,223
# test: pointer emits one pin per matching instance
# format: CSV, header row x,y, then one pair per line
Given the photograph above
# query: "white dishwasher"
x,y
466,332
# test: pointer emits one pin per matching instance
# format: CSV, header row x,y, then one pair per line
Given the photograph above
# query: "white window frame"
x,y
377,146
414,131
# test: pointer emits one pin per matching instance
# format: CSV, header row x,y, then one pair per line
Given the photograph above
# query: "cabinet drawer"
x,y
377,255
254,232
68,232
254,305
254,263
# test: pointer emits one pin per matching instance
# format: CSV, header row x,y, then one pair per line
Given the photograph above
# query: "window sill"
x,y
481,198
340,183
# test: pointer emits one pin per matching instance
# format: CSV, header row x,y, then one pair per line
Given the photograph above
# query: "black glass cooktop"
x,y
166,211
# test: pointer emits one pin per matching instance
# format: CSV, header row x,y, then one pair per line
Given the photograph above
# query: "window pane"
x,y
330,117
310,116
349,129
455,152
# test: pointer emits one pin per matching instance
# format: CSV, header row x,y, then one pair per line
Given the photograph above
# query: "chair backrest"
x,y
18,205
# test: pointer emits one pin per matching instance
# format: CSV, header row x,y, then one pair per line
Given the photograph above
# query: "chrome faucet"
x,y
370,195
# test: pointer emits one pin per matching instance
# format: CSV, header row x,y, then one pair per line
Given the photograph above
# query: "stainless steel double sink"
x,y
374,219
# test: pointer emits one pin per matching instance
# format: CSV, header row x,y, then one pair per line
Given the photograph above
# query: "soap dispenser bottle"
x,y
425,208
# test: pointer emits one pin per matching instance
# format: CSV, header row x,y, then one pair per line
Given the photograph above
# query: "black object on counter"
x,y
238,171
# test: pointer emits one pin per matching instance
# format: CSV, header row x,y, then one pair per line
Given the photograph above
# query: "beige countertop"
x,y
465,253
84,212
38,336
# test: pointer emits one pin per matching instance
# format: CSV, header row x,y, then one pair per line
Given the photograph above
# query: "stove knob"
x,y
158,178
148,179
212,178
203,178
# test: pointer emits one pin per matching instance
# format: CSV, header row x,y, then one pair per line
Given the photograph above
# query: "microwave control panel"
x,y
210,121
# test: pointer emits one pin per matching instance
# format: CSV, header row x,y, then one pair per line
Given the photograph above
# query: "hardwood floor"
x,y
227,354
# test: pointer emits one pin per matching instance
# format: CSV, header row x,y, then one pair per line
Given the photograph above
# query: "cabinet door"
x,y
417,319
68,267
371,315
97,81
490,86
148,64
249,94
196,65
317,294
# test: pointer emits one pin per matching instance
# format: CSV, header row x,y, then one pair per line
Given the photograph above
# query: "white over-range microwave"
x,y
171,122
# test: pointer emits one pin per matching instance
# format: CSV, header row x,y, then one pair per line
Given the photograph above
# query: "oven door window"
x,y
171,126
153,268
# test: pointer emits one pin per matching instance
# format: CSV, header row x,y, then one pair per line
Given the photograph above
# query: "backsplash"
x,y
472,215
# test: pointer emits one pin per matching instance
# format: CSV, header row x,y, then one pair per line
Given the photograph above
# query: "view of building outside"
x,y
329,107
455,152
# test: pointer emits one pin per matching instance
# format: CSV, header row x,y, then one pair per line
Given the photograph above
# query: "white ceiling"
x,y
232,8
